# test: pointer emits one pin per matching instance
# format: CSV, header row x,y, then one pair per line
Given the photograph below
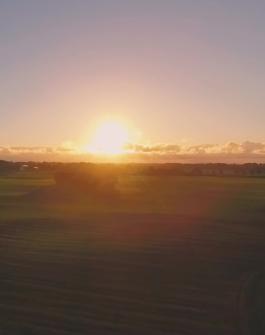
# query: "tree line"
x,y
166,169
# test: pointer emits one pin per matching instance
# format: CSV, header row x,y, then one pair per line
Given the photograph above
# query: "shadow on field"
x,y
78,185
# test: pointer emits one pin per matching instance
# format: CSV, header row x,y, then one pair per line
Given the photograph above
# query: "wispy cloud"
x,y
40,153
230,147
157,148
230,152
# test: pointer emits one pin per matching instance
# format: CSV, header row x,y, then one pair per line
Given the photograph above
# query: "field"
x,y
169,255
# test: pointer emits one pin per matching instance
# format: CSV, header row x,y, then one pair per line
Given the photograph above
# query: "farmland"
x,y
170,255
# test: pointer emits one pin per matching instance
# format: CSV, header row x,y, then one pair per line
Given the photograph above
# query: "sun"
x,y
110,138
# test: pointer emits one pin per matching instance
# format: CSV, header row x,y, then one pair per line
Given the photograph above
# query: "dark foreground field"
x,y
176,255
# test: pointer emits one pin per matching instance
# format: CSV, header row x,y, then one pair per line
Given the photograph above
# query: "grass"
x,y
216,197
169,256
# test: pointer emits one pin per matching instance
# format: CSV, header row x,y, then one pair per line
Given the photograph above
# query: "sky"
x,y
184,72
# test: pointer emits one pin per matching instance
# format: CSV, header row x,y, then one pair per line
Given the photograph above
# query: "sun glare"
x,y
110,138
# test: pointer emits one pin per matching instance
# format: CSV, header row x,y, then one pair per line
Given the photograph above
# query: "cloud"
x,y
227,148
40,153
230,152
157,148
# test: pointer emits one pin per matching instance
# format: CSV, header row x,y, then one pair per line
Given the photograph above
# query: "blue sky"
x,y
177,70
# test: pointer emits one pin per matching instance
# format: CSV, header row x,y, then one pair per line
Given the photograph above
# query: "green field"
x,y
169,255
